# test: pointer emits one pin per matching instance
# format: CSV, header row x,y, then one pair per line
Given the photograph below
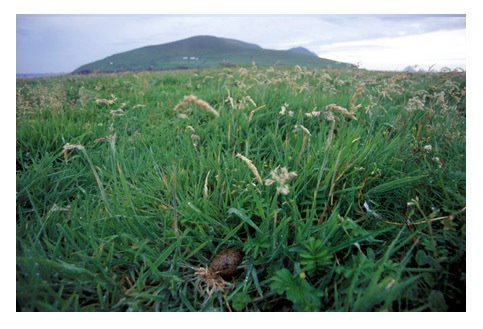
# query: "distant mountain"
x,y
204,52
303,51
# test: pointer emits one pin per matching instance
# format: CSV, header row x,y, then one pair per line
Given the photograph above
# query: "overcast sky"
x,y
61,43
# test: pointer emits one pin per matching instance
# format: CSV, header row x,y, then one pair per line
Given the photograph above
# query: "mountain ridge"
x,y
302,50
204,52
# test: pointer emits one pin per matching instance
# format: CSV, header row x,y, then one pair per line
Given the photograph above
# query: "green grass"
x,y
374,220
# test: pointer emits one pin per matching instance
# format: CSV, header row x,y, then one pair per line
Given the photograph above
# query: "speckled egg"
x,y
225,262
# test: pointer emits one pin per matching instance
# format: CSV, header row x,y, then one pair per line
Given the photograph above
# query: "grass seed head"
x,y
109,138
300,127
342,110
250,100
193,100
353,106
56,208
117,112
69,146
103,101
251,166
414,104
205,186
329,116
312,114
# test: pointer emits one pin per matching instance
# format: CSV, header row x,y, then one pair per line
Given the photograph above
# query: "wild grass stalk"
x,y
174,202
67,147
328,143
330,199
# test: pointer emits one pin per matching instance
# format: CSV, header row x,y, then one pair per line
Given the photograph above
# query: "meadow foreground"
x,y
335,190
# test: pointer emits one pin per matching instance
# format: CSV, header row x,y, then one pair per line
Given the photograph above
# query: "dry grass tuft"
x,y
334,108
414,104
193,100
313,114
103,101
208,282
117,112
342,110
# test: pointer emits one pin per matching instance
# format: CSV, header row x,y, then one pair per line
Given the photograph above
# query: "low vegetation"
x,y
344,190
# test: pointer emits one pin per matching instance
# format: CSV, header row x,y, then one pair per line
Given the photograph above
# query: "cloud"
x,y
445,48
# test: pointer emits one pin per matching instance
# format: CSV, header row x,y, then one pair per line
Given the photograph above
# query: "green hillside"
x,y
203,52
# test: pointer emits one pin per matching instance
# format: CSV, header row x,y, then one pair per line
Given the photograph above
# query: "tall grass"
x,y
373,220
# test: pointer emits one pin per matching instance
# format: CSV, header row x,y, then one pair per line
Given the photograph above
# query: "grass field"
x,y
345,190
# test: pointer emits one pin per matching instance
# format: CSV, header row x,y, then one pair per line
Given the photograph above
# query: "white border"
x,y
362,320
242,7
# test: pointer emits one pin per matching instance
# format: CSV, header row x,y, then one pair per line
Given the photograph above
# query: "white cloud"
x,y
441,49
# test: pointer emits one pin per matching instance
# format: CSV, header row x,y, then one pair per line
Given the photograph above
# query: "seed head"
x,y
251,166
191,99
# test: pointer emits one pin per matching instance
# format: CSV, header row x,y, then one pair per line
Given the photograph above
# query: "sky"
x,y
62,43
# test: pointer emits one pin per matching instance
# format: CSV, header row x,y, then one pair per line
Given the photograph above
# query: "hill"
x,y
204,52
303,51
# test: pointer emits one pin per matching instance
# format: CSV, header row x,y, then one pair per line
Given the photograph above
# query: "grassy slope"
x,y
211,51
116,248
